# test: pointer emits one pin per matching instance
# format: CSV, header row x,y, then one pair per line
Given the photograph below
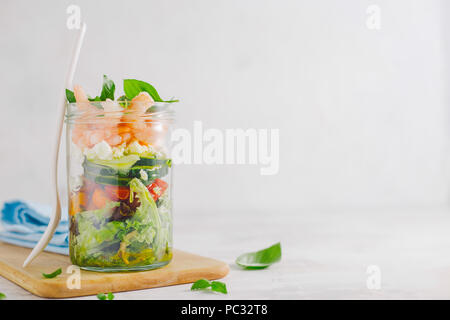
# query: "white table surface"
x,y
325,254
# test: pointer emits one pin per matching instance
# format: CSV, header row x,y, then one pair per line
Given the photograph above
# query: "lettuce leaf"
x,y
147,215
148,230
93,231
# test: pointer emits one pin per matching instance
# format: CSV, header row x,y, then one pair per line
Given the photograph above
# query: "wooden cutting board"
x,y
184,268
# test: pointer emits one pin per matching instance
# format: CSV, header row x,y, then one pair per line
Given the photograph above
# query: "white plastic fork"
x,y
56,216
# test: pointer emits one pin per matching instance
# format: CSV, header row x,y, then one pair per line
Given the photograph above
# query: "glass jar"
x,y
119,182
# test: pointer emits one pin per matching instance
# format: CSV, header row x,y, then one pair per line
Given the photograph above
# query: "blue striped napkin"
x,y
23,224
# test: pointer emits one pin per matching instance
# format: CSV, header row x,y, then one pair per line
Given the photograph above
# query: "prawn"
x,y
137,108
153,134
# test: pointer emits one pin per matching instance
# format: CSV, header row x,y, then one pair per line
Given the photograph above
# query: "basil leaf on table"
x,y
201,284
2,296
53,274
204,284
133,87
102,296
219,287
260,259
70,96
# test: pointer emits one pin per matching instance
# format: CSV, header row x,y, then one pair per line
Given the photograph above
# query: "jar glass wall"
x,y
120,185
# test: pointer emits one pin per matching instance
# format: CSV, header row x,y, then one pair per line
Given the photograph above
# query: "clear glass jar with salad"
x,y
119,178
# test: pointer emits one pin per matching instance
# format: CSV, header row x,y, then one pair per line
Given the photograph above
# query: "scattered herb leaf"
x,y
260,259
102,296
2,296
201,284
219,287
70,96
204,284
53,274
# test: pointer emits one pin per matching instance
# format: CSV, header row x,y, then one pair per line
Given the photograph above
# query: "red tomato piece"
x,y
157,188
117,192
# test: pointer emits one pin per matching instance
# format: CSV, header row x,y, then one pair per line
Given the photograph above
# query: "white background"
x,y
363,114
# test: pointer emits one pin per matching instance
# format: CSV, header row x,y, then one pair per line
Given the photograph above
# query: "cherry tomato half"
x,y
117,192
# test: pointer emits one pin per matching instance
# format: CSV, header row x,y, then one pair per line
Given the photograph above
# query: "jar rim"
x,y
158,111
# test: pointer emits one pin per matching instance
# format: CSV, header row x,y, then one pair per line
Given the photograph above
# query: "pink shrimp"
x,y
80,95
112,113
141,103
137,108
95,136
83,140
153,134
114,140
126,137
82,99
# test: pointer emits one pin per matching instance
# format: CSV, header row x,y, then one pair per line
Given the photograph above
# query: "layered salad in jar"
x,y
119,176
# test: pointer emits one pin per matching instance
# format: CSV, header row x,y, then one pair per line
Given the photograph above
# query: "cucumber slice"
x,y
99,170
134,172
123,164
152,172
123,180
111,180
119,172
144,161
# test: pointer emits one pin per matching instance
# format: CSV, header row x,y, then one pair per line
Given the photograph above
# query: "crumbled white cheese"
x,y
101,151
144,175
75,183
136,148
76,169
152,149
119,151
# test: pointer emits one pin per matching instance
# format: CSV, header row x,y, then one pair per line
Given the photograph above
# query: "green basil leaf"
x,y
133,87
123,101
70,96
53,274
170,101
108,89
2,296
101,296
97,98
204,284
110,296
201,284
219,287
260,259
96,102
